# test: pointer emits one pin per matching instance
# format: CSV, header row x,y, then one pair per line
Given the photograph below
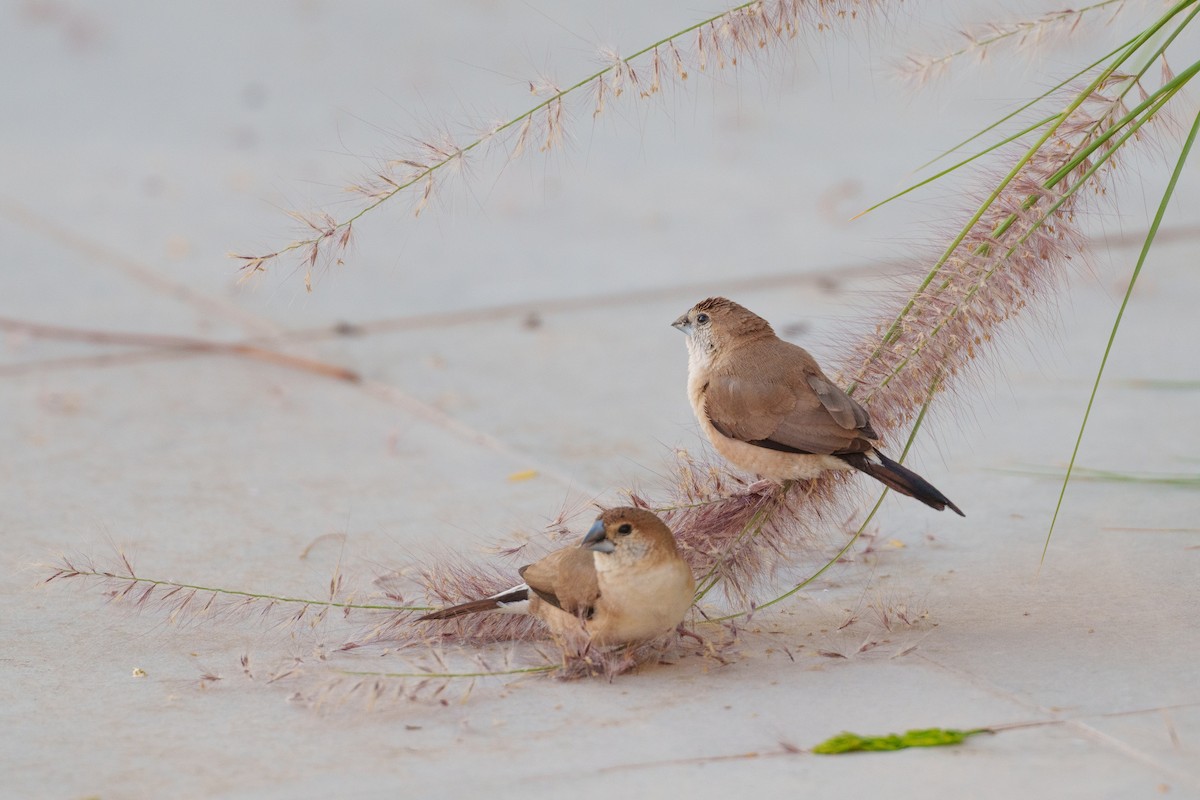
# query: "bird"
x,y
625,583
767,407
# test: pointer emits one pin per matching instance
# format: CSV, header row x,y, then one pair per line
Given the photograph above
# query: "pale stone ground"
x,y
144,141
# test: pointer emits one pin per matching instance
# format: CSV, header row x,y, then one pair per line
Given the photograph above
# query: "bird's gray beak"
x,y
683,325
596,540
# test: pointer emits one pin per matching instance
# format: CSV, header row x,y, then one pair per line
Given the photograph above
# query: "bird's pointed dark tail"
x,y
901,479
517,595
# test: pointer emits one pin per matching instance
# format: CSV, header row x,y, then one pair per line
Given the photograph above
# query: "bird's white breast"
x,y
638,604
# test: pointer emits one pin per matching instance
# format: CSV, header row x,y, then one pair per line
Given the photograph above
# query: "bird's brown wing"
x,y
774,395
566,579
841,406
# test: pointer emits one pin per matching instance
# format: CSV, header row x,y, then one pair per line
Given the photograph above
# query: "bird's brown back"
x,y
767,390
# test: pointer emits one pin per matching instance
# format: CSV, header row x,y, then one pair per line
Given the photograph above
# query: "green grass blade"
x,y
1149,241
1027,105
1167,89
1167,384
1125,45
1185,480
962,163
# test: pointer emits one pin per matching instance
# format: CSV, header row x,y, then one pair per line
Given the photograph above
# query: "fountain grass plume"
x,y
1022,35
745,32
181,600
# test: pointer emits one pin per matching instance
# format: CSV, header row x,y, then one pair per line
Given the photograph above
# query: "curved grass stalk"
x,y
1167,90
1019,109
1047,120
807,581
1137,270
963,163
150,584
1021,28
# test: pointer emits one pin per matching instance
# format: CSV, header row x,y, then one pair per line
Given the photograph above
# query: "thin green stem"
x,y
1022,27
1137,270
1080,156
963,163
836,558
1168,88
1130,82
1028,104
497,673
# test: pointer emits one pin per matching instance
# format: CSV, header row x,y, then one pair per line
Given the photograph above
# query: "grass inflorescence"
x,y
719,42
1023,34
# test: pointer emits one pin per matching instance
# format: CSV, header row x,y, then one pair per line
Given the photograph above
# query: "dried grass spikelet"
x,y
579,659
1029,35
183,602
723,41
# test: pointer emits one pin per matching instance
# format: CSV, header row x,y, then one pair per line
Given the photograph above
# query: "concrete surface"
x,y
142,142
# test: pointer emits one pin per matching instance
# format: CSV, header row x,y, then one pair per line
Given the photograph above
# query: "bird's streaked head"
x,y
626,535
713,324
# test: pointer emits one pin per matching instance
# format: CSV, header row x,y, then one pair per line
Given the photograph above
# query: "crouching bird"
x,y
624,583
767,407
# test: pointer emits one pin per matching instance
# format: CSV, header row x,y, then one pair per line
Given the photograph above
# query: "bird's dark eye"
x,y
702,319
625,529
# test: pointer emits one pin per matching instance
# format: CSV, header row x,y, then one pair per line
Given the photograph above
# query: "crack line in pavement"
x,y
1074,723
145,274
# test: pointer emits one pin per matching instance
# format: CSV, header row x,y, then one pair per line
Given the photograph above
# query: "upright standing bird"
x,y
767,407
624,583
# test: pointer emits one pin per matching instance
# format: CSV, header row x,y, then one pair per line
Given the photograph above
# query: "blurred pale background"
x,y
143,142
